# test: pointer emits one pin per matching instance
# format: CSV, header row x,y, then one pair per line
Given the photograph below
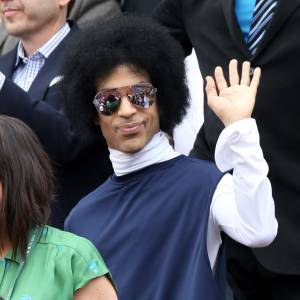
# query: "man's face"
x,y
22,18
130,128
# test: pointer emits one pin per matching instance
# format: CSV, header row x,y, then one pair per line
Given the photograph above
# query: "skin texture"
x,y
225,98
130,128
97,289
34,22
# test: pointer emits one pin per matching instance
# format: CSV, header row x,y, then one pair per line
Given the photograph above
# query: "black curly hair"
x,y
126,40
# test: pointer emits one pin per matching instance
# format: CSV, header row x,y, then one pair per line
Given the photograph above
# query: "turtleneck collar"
x,y
157,150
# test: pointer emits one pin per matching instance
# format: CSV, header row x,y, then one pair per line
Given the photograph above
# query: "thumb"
x,y
211,92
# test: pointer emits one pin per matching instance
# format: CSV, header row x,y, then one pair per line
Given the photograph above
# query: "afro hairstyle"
x,y
139,43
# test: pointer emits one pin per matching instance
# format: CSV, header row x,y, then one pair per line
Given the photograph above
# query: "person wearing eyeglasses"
x,y
158,219
38,261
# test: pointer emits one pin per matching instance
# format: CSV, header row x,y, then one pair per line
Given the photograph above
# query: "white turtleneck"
x,y
157,150
242,205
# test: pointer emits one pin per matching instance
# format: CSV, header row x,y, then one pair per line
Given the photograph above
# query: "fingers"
x,y
220,79
245,80
211,90
234,78
255,79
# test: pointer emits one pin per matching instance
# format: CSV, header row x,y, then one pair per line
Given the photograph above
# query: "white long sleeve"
x,y
242,205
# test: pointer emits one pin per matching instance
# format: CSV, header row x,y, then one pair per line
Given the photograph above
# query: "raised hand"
x,y
234,101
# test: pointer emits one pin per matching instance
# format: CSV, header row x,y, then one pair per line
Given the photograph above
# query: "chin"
x,y
131,150
132,147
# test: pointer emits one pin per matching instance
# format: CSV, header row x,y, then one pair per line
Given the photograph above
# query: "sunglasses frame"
x,y
101,104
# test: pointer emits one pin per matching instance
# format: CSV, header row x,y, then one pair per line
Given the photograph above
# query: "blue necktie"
x,y
262,15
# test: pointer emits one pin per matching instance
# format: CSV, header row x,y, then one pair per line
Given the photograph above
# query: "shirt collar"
x,y
46,49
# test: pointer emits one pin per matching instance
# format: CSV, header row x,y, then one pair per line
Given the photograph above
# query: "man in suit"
x,y
81,11
219,31
29,90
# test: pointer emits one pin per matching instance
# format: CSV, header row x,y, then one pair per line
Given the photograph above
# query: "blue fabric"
x,y
151,229
244,12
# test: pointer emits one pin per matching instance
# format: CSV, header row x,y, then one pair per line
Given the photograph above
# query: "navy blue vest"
x,y
151,229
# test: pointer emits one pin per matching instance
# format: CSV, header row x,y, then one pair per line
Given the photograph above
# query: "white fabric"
x,y
156,151
2,79
242,205
185,133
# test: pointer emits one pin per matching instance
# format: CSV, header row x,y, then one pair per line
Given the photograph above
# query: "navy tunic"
x,y
151,228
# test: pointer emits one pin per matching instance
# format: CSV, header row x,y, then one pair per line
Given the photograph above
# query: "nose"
x,y
126,108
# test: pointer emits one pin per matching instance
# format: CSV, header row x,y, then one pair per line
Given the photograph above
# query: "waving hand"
x,y
235,100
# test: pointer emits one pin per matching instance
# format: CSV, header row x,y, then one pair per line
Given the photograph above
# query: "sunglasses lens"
x,y
140,96
107,101
112,103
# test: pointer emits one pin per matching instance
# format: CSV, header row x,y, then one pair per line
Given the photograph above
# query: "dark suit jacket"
x,y
85,11
212,29
79,168
139,7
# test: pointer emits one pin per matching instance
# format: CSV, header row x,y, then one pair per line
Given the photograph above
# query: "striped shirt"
x,y
28,67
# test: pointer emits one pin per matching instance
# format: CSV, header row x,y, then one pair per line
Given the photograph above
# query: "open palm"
x,y
234,101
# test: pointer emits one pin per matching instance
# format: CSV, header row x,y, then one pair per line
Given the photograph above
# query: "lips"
x,y
130,128
9,11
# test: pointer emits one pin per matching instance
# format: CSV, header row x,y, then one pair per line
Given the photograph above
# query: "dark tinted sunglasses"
x,y
108,101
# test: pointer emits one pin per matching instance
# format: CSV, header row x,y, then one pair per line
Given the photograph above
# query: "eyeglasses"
x,y
107,101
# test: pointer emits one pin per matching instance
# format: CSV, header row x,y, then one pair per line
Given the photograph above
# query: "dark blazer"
x,y
85,11
211,27
139,7
79,168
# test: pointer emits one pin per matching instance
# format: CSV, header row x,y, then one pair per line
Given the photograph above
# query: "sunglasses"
x,y
107,101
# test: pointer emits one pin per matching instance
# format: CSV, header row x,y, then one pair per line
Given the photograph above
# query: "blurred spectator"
x,y
81,11
29,90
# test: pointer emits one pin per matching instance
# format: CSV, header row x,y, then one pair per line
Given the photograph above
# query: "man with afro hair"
x,y
158,219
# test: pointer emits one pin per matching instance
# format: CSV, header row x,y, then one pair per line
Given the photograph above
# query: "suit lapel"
x,y
3,34
282,13
50,70
7,63
234,27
